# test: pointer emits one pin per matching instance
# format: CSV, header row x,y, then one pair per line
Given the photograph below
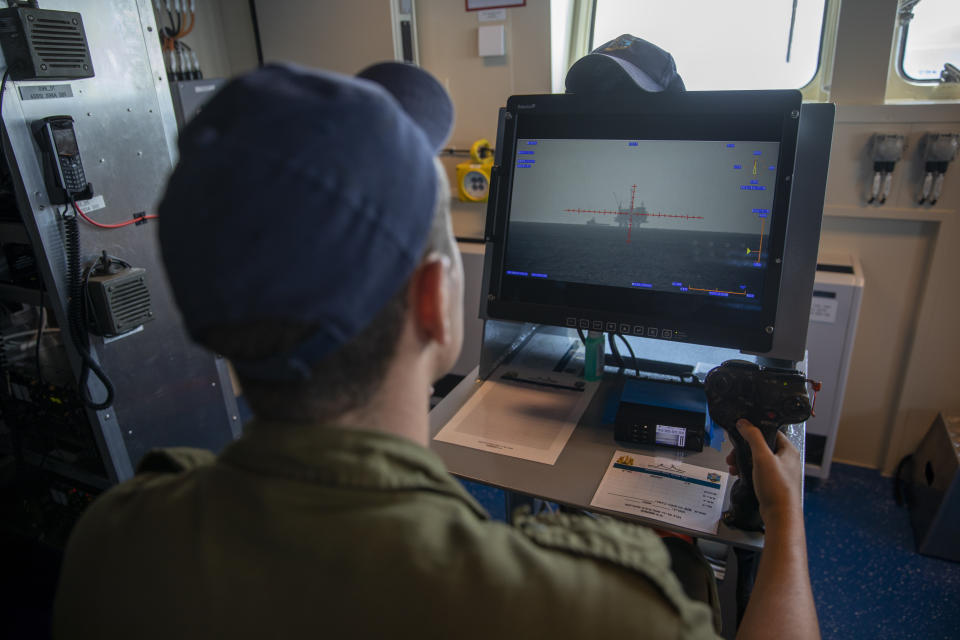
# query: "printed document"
x,y
525,414
663,489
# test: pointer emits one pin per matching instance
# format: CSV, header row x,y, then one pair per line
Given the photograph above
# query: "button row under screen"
x,y
624,329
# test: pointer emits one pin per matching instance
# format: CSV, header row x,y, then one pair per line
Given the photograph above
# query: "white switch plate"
x,y
491,41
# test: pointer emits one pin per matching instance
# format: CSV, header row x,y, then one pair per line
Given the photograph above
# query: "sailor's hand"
x,y
776,475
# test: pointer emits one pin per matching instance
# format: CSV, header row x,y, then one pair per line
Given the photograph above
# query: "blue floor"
x,y
868,580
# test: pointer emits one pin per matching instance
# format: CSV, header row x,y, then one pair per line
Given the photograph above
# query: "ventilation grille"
x,y
59,44
129,303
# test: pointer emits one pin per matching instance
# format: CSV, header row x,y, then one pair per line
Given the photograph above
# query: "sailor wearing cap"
x,y
333,283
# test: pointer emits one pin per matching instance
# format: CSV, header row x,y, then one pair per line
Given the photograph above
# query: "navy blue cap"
x,y
625,63
303,197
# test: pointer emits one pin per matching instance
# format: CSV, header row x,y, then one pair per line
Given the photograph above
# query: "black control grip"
x,y
744,507
767,398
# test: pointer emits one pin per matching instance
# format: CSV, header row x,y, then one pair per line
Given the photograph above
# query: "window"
x,y
748,44
930,38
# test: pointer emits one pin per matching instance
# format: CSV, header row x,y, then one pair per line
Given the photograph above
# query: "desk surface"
x,y
574,478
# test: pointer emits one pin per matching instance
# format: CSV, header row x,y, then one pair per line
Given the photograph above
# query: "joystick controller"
x,y
767,397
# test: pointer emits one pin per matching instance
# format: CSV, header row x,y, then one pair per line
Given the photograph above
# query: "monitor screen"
x,y
660,216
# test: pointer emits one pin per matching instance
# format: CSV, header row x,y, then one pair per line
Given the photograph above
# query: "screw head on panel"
x,y
768,329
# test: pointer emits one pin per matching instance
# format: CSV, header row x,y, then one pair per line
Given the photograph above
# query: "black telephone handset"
x,y
66,183
62,167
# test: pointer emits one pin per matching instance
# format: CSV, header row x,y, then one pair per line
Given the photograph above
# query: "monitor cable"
x,y
636,363
615,351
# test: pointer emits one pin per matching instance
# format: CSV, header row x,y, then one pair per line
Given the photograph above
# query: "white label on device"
x,y
92,204
672,436
45,91
823,310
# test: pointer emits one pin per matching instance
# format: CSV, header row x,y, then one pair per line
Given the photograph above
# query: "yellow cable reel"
x,y
473,177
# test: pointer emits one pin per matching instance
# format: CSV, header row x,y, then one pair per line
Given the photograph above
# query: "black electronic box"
x,y
648,424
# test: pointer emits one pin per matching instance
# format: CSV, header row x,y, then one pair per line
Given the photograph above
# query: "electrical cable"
x,y
179,26
169,30
103,225
636,363
182,22
77,314
40,326
3,88
28,332
615,351
816,385
193,20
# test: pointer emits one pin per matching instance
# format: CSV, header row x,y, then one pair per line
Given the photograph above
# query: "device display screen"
x,y
655,215
687,217
671,436
65,141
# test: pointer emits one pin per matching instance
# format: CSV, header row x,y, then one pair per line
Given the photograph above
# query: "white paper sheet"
x,y
663,489
520,419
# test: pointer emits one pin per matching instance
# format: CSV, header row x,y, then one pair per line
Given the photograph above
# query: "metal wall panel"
x,y
168,390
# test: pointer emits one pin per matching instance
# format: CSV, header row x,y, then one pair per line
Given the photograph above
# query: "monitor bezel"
x,y
709,115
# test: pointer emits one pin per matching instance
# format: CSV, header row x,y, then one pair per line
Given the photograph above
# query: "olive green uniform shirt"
x,y
300,531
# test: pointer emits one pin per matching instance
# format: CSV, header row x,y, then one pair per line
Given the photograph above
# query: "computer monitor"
x,y
655,215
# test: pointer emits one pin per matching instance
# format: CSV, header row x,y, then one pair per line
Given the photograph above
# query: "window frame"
x,y
815,89
904,29
905,89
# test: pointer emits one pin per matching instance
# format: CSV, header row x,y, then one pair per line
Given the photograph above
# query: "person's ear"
x,y
429,292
